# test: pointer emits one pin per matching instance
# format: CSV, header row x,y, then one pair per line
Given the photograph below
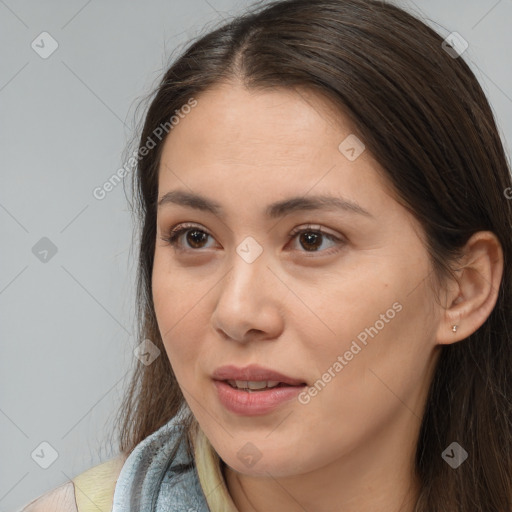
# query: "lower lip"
x,y
254,403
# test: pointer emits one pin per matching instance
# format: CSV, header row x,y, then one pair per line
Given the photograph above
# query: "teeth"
x,y
253,385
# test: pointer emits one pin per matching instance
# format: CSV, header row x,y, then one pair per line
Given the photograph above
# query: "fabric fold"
x,y
160,475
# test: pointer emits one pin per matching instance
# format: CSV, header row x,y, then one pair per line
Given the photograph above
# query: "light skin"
x,y
303,301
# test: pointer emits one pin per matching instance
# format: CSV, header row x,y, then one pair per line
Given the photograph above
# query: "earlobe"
x,y
475,291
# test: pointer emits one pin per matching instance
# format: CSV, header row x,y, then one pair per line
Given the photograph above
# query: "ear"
x,y
472,294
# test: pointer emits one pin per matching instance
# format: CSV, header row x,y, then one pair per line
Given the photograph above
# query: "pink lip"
x,y
253,372
253,403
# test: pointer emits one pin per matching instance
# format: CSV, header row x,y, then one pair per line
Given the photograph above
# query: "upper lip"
x,y
253,372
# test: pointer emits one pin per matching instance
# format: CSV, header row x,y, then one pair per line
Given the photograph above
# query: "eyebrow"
x,y
274,210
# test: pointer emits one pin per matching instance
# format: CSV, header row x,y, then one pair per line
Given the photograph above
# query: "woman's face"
x,y
336,298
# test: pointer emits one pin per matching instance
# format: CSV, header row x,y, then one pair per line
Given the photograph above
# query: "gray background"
x,y
67,322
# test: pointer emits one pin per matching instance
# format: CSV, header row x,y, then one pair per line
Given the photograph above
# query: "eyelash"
x,y
176,232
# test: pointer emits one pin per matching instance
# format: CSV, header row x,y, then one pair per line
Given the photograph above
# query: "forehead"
x,y
257,141
235,120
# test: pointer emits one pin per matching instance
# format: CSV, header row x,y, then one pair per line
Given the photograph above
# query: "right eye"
x,y
195,238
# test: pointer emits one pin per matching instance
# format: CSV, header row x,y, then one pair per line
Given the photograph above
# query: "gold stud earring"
x,y
454,328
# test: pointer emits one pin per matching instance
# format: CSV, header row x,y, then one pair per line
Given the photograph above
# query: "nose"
x,y
249,302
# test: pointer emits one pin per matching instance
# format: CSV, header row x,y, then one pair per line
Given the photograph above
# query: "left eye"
x,y
310,238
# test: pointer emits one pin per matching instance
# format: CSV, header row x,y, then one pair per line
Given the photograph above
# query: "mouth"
x,y
255,385
254,390
254,377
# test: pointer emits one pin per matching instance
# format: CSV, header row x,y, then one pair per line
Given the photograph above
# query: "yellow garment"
x,y
90,491
94,488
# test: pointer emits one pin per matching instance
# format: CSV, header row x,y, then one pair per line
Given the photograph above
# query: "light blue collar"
x,y
152,480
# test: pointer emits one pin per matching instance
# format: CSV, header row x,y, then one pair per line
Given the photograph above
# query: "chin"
x,y
272,460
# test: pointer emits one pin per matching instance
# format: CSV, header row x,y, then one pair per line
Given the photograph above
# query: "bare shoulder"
x,y
91,490
60,499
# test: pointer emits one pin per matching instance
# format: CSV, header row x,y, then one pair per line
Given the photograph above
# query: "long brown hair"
x,y
423,115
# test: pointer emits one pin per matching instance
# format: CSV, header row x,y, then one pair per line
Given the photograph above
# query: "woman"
x,y
324,281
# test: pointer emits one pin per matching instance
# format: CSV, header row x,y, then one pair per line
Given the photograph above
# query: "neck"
x,y
378,476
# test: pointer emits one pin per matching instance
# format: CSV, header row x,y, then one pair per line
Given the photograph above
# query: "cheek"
x,y
180,316
378,338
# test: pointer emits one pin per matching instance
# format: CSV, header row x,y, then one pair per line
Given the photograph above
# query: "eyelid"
x,y
314,227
